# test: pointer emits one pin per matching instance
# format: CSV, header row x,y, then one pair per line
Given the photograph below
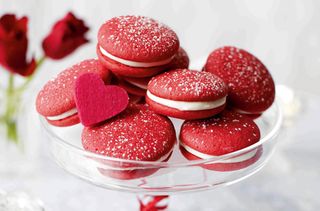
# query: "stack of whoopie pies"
x,y
141,78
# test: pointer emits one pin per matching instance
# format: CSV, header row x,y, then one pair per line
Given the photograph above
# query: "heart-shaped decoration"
x,y
97,102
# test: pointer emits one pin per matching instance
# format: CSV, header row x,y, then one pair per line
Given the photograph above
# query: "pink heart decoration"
x,y
97,102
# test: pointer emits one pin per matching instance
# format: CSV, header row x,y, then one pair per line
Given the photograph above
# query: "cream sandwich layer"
x,y
163,158
244,112
133,63
136,84
63,115
239,158
188,106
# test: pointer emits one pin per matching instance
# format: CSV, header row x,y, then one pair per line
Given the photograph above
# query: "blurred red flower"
x,y
66,36
14,45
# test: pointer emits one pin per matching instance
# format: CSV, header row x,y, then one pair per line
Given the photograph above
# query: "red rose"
x,y
65,37
14,45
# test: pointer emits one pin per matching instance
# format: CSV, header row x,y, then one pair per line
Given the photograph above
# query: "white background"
x,y
283,34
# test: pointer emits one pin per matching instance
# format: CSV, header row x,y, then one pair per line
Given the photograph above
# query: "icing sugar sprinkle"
x,y
58,92
226,132
188,82
142,35
136,134
216,126
245,74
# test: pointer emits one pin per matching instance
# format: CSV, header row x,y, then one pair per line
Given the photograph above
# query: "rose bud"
x,y
66,36
14,45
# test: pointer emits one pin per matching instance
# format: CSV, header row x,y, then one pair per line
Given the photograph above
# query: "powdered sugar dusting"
x,y
184,84
138,38
57,96
136,134
221,134
247,78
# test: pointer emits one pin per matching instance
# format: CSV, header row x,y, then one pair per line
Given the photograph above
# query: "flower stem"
x,y
11,107
29,79
13,95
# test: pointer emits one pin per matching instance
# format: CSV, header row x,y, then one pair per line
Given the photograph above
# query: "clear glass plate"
x,y
176,175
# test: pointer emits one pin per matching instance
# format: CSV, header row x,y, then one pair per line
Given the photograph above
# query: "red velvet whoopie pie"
x,y
251,87
187,94
219,135
55,101
138,133
136,46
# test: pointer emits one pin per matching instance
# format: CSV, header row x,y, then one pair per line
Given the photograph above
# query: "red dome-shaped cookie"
x,y
232,164
136,134
186,94
55,100
136,46
251,87
219,135
138,38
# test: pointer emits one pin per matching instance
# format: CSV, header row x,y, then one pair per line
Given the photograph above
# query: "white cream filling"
x,y
63,115
133,63
188,106
163,158
243,112
137,85
237,159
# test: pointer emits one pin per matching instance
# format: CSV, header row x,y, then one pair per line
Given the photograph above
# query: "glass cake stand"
x,y
175,176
